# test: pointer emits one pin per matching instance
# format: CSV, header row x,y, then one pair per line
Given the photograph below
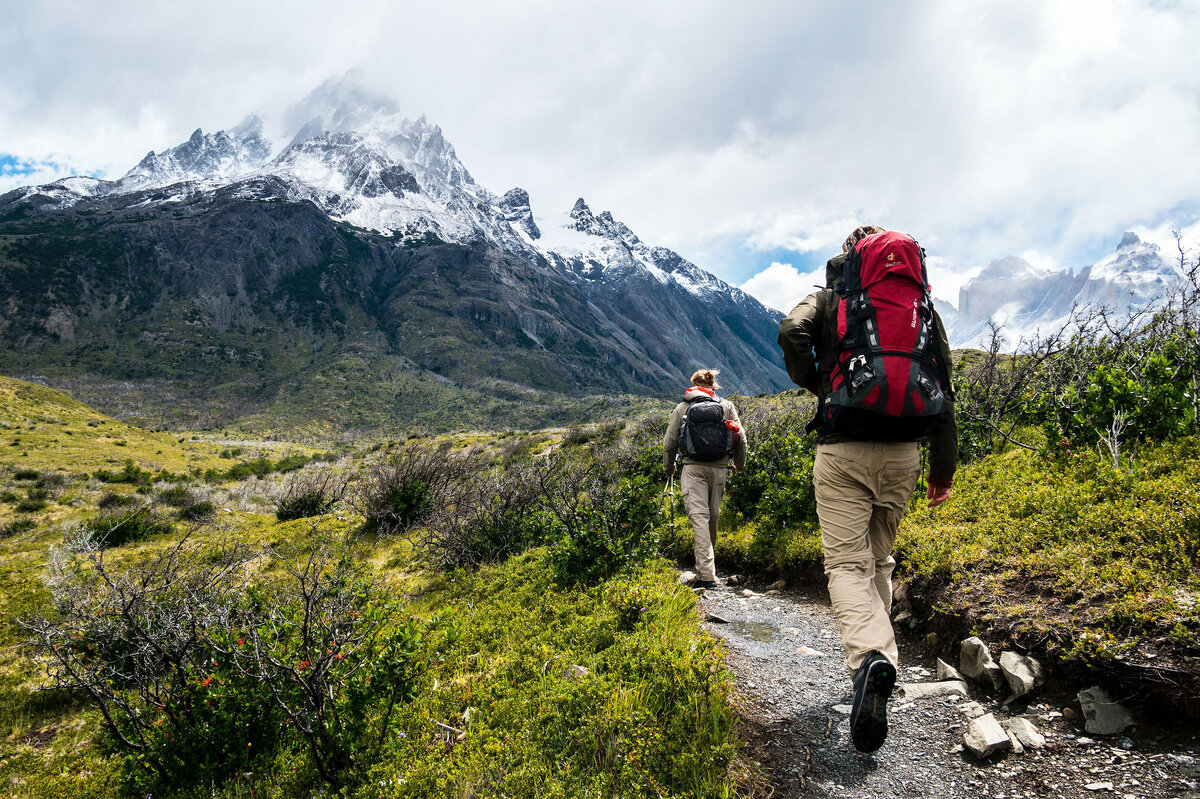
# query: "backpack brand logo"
x,y
914,319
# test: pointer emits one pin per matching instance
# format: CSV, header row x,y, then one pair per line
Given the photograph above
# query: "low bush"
x,y
494,516
9,529
403,491
310,493
201,675
26,474
130,473
603,522
117,526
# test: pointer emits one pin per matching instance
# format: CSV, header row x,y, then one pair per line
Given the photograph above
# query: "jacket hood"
x,y
834,270
696,392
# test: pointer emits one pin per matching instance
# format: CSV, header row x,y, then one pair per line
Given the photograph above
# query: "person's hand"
x,y
937,495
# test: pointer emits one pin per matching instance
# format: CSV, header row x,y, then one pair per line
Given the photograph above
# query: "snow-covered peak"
x,y
1012,267
224,155
1135,261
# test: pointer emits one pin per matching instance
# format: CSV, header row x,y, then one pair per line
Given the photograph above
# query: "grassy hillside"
x,y
44,429
532,674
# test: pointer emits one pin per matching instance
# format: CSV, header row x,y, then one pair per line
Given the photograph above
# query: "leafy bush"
x,y
494,516
201,674
775,488
309,494
16,527
26,474
111,499
130,473
34,500
603,521
116,526
402,492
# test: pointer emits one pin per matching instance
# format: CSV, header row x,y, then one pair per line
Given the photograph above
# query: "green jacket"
x,y
813,325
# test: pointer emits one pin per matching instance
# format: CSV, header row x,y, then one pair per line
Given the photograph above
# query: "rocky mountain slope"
x,y
357,271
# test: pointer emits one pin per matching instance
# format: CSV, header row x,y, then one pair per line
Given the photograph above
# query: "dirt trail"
x,y
796,708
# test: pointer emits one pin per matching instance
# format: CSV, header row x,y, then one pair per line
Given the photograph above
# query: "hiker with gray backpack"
x,y
873,350
707,435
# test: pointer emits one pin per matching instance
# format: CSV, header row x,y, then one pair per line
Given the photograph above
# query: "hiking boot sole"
x,y
868,720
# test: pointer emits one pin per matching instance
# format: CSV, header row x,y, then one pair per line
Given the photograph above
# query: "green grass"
x,y
1101,561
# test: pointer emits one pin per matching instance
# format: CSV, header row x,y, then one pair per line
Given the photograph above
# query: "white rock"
x,y
976,662
971,709
746,592
947,672
575,673
809,652
1022,673
1026,733
843,709
1103,716
687,578
985,737
1017,747
1098,786
925,690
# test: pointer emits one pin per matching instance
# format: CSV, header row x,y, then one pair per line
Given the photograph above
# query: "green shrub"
x,y
130,473
17,527
26,474
111,499
310,494
402,492
202,676
603,522
116,526
199,510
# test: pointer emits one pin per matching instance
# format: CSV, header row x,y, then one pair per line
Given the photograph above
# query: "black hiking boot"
x,y
873,685
708,584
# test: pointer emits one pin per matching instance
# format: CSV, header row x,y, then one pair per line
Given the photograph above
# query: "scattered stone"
x,y
733,579
903,616
687,578
976,662
899,592
1022,673
771,592
985,737
925,690
971,709
843,709
931,640
1098,786
746,592
1026,733
1125,743
575,673
947,672
1070,714
1083,740
778,585
1017,747
717,619
809,652
1102,716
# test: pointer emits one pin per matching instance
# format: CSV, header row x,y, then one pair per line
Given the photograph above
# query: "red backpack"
x,y
888,380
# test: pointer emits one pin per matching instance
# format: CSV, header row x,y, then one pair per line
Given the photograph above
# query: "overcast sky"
x,y
750,137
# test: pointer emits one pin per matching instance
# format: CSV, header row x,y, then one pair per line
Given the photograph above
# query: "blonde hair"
x,y
706,377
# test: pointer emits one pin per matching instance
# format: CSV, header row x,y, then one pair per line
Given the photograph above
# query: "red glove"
x,y
938,491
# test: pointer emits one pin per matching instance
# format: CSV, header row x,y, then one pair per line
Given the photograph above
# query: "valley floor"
x,y
795,705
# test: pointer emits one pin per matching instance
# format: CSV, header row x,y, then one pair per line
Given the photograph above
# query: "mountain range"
x,y
1025,300
352,275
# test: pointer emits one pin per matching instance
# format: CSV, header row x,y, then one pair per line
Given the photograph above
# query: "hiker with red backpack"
x,y
873,350
706,431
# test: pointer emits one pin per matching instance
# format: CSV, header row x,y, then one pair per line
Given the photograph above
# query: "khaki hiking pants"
x,y
862,489
703,486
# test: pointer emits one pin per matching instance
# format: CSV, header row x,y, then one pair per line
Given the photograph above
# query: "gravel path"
x,y
784,650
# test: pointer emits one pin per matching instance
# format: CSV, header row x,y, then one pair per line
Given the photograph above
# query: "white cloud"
x,y
782,286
